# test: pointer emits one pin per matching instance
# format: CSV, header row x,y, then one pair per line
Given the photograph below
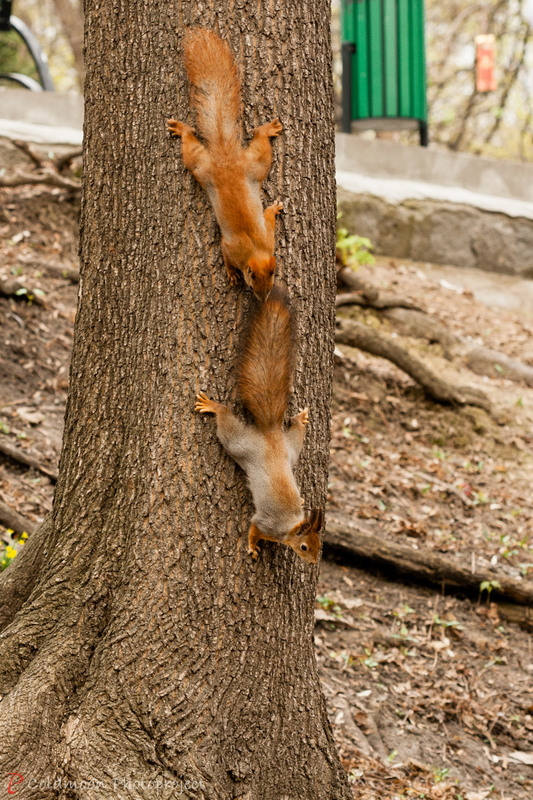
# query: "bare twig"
x,y
32,155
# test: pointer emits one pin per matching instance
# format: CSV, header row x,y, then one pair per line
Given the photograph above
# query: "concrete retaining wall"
x,y
449,208
443,233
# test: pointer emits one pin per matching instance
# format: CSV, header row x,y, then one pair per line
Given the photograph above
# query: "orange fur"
x,y
265,373
232,176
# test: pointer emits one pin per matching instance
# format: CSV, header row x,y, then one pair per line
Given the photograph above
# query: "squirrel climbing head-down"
x,y
231,175
267,451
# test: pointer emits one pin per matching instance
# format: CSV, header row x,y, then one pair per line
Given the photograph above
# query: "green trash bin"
x,y
383,65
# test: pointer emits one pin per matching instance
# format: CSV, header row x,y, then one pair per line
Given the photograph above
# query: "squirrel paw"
x,y
254,552
177,128
274,128
204,405
277,207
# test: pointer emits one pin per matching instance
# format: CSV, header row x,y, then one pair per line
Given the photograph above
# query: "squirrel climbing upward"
x,y
231,175
265,451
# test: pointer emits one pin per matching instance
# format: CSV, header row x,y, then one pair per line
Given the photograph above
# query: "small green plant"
x,y
480,498
330,605
488,586
445,623
369,661
440,773
30,296
403,611
440,454
354,775
7,554
353,251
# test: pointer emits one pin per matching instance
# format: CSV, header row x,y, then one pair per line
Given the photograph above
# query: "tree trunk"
x,y
143,648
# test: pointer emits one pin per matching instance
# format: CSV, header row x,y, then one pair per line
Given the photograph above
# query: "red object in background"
x,y
485,63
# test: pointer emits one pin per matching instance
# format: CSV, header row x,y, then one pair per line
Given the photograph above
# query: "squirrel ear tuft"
x,y
317,519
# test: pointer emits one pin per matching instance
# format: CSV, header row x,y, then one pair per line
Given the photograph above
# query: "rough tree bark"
x,y
141,647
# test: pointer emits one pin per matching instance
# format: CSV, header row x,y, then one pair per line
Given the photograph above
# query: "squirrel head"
x,y
259,275
304,538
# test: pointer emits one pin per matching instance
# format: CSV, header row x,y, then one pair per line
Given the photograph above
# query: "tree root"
x,y
479,359
48,172
9,287
424,565
414,321
45,175
29,460
485,361
10,518
61,271
355,334
364,294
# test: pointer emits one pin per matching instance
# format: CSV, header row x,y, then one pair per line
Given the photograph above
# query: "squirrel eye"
x,y
303,547
252,274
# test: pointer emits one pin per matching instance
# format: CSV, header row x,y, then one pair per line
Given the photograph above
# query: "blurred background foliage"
x,y
14,57
58,26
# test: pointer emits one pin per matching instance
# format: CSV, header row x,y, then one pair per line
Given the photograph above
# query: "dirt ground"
x,y
430,693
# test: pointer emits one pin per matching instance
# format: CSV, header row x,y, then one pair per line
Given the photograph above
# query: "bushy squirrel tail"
x,y
265,374
217,86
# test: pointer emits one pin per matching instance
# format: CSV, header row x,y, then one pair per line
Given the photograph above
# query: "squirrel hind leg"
x,y
254,535
258,154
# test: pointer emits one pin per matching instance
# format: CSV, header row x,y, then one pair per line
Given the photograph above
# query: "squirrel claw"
x,y
177,128
174,127
254,552
203,404
275,127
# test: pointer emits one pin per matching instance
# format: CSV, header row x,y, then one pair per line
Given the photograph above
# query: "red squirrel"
x,y
230,174
265,451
